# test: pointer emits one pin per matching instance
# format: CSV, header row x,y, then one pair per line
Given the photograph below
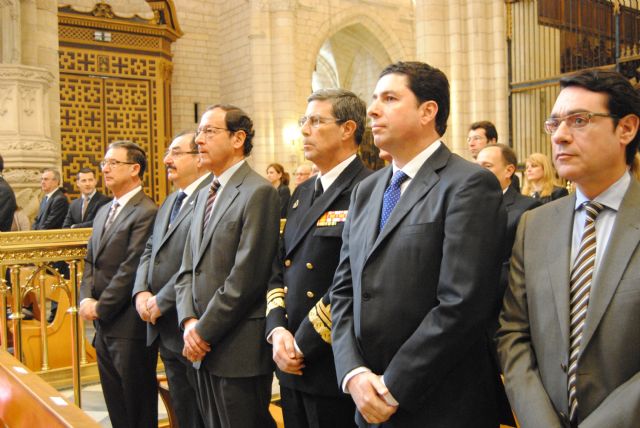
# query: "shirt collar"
x,y
413,166
226,176
88,197
610,198
49,195
124,199
331,175
194,185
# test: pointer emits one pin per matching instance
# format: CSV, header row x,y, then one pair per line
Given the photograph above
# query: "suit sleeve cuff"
x,y
270,335
351,374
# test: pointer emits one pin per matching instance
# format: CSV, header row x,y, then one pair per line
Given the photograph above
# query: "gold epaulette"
x,y
320,317
275,299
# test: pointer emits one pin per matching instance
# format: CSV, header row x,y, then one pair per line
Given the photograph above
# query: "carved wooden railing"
x,y
27,261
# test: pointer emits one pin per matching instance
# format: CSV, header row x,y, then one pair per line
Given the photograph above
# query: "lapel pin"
x,y
295,204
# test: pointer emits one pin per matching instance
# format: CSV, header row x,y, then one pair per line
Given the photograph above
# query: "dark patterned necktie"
x,y
391,196
111,217
213,191
580,287
177,205
318,190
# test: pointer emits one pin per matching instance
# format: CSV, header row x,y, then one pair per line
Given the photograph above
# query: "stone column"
x,y
29,97
467,40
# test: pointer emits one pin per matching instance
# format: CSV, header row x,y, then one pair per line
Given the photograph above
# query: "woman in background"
x,y
280,180
540,180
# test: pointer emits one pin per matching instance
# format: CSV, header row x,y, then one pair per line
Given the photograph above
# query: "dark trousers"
x,y
182,388
303,410
234,402
127,370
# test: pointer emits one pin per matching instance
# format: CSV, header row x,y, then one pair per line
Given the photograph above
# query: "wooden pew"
x,y
28,401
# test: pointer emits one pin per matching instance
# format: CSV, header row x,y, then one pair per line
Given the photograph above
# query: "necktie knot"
x,y
592,209
398,178
215,185
318,189
213,190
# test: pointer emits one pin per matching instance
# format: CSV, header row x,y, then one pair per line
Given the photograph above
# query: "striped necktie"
x,y
111,217
580,288
213,191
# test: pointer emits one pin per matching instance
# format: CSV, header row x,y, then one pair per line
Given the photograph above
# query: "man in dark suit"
x,y
127,367
569,338
7,202
419,268
502,161
83,210
154,294
298,307
224,274
54,204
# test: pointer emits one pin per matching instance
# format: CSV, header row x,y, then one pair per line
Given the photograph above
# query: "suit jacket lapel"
x,y
187,208
322,204
98,227
419,186
126,211
559,262
509,197
623,242
223,200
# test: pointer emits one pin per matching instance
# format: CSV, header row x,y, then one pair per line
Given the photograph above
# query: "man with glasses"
x,y
298,306
127,367
154,293
83,210
223,279
482,134
569,338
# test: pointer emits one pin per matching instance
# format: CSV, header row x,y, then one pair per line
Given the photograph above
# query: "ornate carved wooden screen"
x,y
115,83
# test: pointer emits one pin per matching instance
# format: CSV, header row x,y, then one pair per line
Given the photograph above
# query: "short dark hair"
x,y
135,154
85,170
1,164
508,155
428,84
489,129
192,146
345,105
623,99
237,120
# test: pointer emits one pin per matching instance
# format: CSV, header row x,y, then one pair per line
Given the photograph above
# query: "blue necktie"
x,y
391,196
177,204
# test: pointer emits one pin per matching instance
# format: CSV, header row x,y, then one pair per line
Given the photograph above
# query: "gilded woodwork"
x,y
115,83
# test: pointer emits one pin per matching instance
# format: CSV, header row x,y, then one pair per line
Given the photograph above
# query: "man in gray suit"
x,y
222,284
120,230
419,266
569,340
154,294
54,204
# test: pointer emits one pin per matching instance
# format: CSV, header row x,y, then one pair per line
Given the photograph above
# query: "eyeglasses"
x,y
178,153
476,138
210,131
573,121
316,120
113,163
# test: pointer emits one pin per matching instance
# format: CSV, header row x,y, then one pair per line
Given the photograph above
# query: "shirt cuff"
x,y
85,299
270,335
351,374
388,397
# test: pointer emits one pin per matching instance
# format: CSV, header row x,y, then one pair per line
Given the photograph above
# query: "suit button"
x,y
310,294
309,266
366,296
286,290
563,366
287,263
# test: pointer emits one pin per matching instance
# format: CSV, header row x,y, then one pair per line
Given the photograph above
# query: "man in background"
x,y
54,205
83,210
7,202
484,133
302,174
154,293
